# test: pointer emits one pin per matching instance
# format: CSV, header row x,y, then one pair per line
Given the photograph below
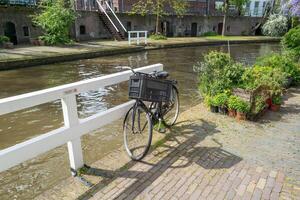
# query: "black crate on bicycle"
x,y
146,88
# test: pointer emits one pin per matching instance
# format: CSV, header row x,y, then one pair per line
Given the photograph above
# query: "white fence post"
x,y
146,36
69,106
129,37
73,127
138,38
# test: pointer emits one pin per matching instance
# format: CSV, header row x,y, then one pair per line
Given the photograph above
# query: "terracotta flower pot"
x,y
269,102
240,116
231,113
275,107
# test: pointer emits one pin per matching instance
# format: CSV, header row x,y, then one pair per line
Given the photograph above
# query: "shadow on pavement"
x,y
189,150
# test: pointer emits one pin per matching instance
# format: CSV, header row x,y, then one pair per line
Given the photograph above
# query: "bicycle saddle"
x,y
162,74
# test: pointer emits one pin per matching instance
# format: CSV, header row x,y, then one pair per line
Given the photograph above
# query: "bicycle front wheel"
x,y
137,130
170,109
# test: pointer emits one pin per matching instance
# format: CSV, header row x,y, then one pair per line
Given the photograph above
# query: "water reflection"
x,y
37,175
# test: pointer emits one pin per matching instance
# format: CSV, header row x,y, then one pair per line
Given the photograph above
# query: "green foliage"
x,y
239,4
3,39
284,62
158,37
221,99
276,26
238,104
258,76
55,19
159,8
232,101
209,33
259,104
277,100
291,40
218,72
209,101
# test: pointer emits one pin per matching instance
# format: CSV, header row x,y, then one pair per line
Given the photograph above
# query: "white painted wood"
x,y
103,10
70,113
138,36
113,12
15,103
74,128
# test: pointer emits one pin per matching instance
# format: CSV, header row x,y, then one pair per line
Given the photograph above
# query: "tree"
x,y
275,26
239,4
56,18
159,8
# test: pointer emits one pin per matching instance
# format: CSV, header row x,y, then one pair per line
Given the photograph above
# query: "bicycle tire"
x,y
175,104
135,117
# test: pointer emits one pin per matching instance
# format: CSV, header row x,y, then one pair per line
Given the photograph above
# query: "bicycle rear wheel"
x,y
137,130
170,109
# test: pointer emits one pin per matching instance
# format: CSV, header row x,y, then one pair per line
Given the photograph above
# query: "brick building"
x,y
202,16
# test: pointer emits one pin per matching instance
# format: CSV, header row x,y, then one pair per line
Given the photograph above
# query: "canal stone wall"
x,y
88,25
22,22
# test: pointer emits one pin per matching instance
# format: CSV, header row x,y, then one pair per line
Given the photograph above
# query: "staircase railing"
x,y
103,10
113,12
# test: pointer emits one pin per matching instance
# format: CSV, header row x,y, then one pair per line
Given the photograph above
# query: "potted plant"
x,y
210,101
232,106
242,108
5,42
221,101
276,102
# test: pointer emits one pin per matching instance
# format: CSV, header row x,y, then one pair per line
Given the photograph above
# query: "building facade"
x,y
202,16
256,8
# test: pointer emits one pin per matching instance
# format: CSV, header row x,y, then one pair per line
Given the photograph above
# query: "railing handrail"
x,y
73,127
103,10
137,38
113,12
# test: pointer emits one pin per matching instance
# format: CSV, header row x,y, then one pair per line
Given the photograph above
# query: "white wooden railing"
x,y
73,127
137,36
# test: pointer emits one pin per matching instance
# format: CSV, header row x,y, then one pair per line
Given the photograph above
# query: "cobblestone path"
x,y
207,156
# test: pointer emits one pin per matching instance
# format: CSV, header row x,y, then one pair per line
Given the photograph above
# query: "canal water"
x,y
29,179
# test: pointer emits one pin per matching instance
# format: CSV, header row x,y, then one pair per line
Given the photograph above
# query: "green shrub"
x,y
257,76
291,40
276,26
210,101
234,72
242,106
158,37
232,102
221,99
277,100
259,104
211,73
284,62
4,39
209,33
56,19
238,104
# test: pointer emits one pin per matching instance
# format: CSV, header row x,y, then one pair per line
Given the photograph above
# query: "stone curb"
x,y
15,64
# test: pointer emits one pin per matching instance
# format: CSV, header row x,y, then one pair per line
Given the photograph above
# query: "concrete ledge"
x,y
211,43
93,53
22,63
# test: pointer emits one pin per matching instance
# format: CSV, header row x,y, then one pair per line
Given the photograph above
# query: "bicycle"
x,y
163,109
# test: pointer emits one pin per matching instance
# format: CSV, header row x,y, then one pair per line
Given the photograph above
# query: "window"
x,y
228,28
82,30
214,28
25,31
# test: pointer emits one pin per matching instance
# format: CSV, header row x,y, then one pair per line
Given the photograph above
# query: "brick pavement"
x,y
183,169
206,156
